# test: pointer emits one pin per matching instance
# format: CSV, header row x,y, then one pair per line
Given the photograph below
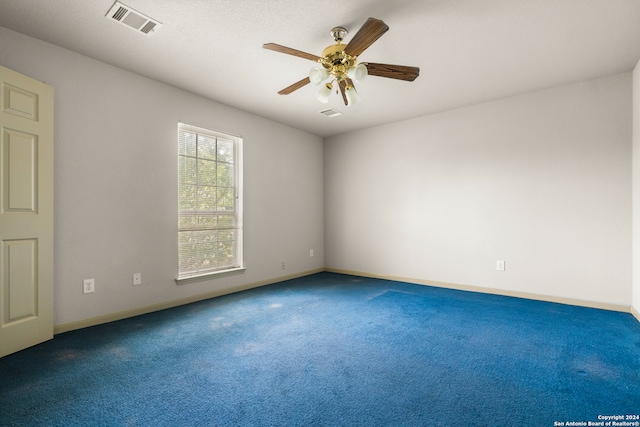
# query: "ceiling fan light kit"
x,y
351,95
358,72
318,75
340,64
324,92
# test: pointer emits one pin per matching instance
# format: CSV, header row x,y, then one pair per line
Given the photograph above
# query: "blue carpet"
x,y
334,350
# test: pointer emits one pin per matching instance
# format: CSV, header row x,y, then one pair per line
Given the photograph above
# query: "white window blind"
x,y
210,202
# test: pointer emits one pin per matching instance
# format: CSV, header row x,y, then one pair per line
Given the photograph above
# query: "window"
x,y
210,202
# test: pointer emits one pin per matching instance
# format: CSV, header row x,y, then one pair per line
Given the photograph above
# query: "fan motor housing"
x,y
337,61
333,49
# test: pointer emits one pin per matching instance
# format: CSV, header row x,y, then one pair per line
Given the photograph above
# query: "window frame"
x,y
238,264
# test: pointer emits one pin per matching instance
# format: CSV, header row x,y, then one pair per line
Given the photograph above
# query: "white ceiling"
x,y
468,51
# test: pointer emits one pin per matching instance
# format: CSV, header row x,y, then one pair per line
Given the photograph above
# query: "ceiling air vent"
x,y
331,112
132,19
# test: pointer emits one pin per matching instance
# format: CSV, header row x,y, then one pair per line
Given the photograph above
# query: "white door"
x,y
26,212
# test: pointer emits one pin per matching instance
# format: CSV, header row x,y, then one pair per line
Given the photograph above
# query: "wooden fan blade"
x,y
290,51
297,85
343,88
371,31
400,72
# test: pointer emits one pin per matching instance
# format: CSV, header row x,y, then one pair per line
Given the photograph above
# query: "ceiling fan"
x,y
339,61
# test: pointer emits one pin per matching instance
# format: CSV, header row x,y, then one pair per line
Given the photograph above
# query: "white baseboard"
x,y
85,323
66,327
525,295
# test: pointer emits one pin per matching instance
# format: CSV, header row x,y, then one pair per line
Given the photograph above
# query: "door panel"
x,y
26,212
21,164
21,265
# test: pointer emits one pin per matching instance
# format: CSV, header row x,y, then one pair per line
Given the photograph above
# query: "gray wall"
x,y
116,184
636,191
541,180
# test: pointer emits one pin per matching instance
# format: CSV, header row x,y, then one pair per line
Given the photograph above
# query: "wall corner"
x,y
635,192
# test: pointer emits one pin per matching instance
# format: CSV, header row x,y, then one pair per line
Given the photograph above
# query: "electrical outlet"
x,y
282,266
88,286
500,265
311,252
137,279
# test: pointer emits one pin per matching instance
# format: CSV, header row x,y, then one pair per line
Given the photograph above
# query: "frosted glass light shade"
x,y
318,75
324,92
352,96
359,72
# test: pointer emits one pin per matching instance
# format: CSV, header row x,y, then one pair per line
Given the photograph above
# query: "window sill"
x,y
209,276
